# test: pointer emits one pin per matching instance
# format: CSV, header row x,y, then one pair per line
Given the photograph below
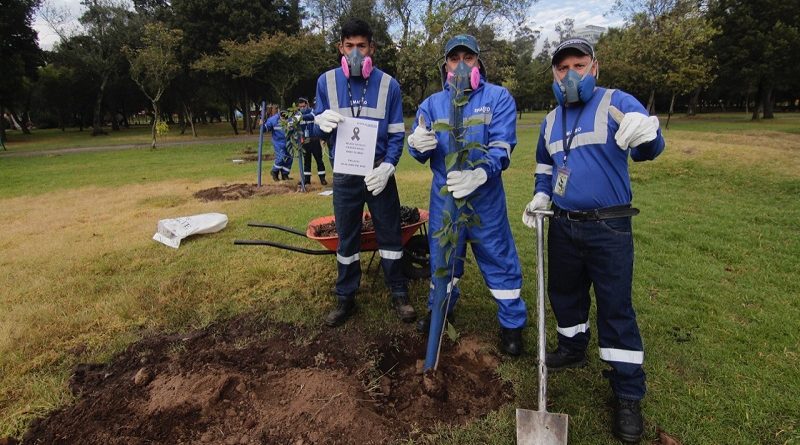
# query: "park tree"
x,y
155,64
758,47
20,56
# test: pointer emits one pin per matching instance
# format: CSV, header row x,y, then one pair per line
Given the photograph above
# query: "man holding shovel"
x,y
582,169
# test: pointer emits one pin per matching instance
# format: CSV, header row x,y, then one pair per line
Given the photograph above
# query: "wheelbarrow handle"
x,y
276,226
257,242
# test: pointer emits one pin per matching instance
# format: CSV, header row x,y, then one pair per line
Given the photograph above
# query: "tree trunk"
x,y
671,109
651,102
190,118
97,122
757,106
246,111
695,99
155,122
2,127
766,102
18,122
232,117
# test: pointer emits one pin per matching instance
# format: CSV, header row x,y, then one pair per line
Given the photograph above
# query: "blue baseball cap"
x,y
467,41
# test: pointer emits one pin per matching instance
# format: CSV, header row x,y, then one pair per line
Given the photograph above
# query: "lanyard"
x,y
566,142
361,102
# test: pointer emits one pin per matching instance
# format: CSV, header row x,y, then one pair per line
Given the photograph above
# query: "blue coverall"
x,y
493,108
283,159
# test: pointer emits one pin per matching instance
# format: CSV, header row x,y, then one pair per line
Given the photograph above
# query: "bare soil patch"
x,y
251,381
233,192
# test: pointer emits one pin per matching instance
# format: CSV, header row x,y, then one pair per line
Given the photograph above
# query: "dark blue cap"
x,y
467,41
302,99
581,45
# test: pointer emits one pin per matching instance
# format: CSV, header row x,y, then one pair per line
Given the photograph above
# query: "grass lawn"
x,y
715,287
54,138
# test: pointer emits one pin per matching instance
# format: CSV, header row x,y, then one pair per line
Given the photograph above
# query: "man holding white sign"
x,y
362,106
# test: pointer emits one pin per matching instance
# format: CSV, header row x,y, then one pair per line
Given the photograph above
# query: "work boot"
x,y
424,324
322,180
285,176
511,341
628,424
275,176
405,312
343,310
307,179
563,358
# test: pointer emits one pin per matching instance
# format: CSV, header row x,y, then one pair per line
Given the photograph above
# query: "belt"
x,y
596,214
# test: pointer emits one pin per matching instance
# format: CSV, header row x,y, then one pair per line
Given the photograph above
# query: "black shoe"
x,y
343,310
424,324
563,358
405,312
275,176
628,424
511,341
322,180
285,177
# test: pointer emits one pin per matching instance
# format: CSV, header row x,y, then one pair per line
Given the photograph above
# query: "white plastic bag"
x,y
170,232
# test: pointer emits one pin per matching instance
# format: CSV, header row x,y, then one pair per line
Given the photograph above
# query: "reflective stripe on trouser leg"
x,y
385,212
348,204
498,262
568,285
610,267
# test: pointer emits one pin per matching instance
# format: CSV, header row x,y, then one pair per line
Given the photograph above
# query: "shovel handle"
x,y
540,215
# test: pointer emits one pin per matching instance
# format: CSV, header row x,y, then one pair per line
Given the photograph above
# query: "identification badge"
x,y
560,188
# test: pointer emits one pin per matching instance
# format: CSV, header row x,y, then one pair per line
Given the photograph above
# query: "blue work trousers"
x,y
597,253
349,196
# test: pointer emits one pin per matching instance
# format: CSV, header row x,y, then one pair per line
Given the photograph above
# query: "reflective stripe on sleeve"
x,y
544,169
622,356
346,260
397,128
333,95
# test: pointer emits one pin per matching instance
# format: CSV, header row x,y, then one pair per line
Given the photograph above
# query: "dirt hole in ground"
x,y
250,381
233,192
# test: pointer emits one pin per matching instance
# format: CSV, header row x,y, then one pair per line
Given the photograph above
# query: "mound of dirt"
x,y
408,216
248,381
233,192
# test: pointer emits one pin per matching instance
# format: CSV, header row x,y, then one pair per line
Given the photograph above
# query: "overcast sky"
x,y
544,15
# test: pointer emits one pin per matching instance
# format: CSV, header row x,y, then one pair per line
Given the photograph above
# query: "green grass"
x,y
715,287
54,138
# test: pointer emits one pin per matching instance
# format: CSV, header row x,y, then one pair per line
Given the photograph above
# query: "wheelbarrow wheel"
x,y
416,261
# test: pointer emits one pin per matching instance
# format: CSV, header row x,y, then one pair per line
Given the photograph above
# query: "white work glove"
x,y
463,182
328,120
422,139
540,201
377,179
636,129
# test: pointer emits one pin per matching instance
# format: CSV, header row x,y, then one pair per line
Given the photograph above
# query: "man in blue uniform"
x,y
283,159
492,108
359,90
311,145
582,167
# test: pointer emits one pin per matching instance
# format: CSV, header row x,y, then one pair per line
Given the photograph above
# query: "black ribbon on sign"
x,y
355,137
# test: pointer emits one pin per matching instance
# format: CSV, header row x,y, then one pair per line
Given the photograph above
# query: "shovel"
x,y
540,427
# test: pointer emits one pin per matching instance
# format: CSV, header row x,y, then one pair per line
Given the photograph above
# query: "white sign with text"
x,y
355,146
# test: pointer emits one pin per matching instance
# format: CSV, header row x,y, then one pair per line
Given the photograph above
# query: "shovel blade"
x,y
541,428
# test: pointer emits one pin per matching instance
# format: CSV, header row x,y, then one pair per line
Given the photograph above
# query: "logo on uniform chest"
x,y
356,102
485,109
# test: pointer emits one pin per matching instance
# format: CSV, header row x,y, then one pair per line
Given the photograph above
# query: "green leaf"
x,y
460,101
441,272
450,160
443,191
459,204
441,126
451,332
473,146
447,218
